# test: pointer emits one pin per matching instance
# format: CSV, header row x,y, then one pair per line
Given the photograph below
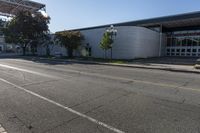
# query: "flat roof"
x,y
173,21
12,7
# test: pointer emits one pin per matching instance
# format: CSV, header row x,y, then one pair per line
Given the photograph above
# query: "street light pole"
x,y
113,32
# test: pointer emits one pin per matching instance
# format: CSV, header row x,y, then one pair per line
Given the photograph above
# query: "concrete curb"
x,y
118,65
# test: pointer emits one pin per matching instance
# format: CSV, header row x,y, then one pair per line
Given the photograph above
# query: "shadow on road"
x,y
147,61
46,60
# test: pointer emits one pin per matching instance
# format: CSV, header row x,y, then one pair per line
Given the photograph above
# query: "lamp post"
x,y
113,33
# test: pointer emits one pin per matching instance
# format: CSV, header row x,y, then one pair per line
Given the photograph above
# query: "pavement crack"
x,y
36,83
91,99
93,109
61,124
15,117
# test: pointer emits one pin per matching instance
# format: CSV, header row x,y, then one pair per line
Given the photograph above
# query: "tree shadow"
x,y
47,61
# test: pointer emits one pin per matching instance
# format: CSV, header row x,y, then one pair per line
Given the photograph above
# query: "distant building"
x,y
176,35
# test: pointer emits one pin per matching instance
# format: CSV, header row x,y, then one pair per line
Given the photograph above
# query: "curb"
x,y
119,65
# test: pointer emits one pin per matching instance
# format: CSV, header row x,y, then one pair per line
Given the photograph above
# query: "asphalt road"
x,y
61,97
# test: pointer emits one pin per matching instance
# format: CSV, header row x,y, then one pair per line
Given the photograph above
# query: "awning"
x,y
12,7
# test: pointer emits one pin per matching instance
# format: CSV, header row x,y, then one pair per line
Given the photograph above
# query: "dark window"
x,y
182,50
178,50
168,50
194,50
169,41
188,54
182,54
188,50
173,41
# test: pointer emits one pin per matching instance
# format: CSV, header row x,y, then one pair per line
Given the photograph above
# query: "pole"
x,y
160,47
111,45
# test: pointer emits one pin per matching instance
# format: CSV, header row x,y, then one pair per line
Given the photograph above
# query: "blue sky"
x,y
72,14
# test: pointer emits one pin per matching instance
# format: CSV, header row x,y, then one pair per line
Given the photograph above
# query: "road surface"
x,y
38,96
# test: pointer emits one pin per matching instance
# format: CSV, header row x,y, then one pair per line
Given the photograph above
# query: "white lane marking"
x,y
65,107
25,70
103,76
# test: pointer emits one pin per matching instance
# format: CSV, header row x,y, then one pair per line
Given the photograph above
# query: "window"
x,y
169,41
184,42
168,50
182,50
189,41
173,41
195,41
178,41
194,50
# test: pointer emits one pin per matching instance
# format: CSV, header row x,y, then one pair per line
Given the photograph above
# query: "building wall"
x,y
131,42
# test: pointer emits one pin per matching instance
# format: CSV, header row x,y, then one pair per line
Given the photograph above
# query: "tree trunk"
x,y
70,52
24,50
33,50
47,50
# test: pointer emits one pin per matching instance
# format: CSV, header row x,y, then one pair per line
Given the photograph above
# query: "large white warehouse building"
x,y
177,35
130,42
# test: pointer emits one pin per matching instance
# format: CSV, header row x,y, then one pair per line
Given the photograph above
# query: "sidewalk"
x,y
157,66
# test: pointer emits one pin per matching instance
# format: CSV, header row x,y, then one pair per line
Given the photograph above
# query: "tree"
x,y
46,41
25,28
71,40
106,42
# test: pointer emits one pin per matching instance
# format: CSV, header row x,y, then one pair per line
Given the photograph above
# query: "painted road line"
x,y
31,72
25,70
65,107
105,76
2,130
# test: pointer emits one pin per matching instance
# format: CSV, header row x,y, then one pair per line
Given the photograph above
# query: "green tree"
x,y
46,41
71,40
106,43
25,28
